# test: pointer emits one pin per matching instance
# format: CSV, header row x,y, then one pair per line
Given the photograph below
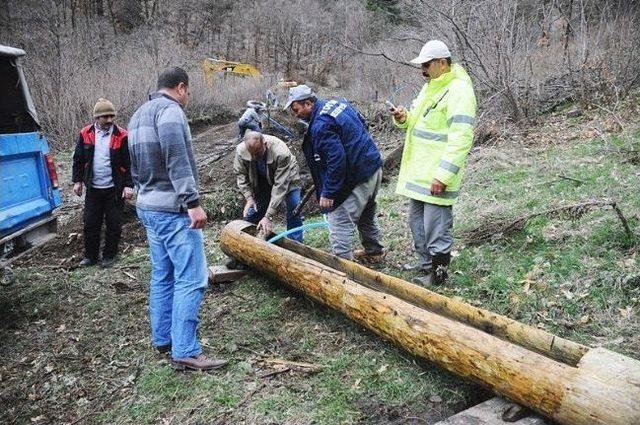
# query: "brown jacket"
x,y
283,174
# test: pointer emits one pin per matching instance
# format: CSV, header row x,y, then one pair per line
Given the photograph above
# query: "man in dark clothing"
x,y
346,168
101,163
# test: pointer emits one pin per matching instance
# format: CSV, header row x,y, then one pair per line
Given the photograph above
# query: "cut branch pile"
x,y
500,228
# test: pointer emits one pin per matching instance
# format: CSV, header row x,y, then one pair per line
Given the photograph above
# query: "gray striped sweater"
x,y
162,164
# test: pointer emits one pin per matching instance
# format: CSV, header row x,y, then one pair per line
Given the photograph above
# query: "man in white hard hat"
x,y
439,135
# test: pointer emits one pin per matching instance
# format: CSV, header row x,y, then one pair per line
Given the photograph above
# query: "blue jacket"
x,y
339,149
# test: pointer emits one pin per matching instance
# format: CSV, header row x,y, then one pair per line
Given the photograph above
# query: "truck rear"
x,y
29,190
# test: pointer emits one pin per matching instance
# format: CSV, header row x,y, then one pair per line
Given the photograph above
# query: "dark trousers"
x,y
99,205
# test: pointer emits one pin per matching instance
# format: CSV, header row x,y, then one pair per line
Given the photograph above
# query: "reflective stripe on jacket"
x,y
439,136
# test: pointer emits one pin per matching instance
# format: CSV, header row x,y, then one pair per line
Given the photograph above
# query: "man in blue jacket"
x,y
346,168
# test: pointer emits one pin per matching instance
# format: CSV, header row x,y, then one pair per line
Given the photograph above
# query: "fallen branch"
x,y
128,266
570,178
299,365
275,372
622,218
129,275
244,347
66,267
499,229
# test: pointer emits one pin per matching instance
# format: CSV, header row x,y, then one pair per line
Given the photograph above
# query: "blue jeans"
x,y
292,200
178,278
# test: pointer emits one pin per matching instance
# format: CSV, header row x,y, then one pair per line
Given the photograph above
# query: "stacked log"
x,y
567,382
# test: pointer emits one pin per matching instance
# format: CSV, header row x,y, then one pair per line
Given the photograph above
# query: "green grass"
x,y
576,277
161,392
557,271
258,319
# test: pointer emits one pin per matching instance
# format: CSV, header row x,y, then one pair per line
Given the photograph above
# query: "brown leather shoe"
x,y
363,256
199,362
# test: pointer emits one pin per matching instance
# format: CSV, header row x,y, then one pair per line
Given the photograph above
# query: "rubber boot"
x,y
439,264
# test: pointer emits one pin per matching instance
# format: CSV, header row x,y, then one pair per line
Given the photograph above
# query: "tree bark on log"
x,y
535,339
603,389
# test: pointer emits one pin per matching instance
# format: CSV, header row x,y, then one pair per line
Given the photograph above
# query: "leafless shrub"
x,y
529,57
525,57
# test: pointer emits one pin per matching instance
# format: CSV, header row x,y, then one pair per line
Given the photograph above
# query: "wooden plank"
x,y
491,412
223,274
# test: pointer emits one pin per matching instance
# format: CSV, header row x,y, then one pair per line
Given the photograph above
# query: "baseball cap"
x,y
297,93
256,104
433,49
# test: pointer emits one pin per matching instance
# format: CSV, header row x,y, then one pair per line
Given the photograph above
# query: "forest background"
x,y
526,57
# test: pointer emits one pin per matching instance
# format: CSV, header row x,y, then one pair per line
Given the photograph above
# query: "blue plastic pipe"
x,y
304,227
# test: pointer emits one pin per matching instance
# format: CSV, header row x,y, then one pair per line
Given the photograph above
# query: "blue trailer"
x,y
29,190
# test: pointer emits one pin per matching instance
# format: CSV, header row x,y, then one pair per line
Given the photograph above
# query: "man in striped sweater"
x,y
164,172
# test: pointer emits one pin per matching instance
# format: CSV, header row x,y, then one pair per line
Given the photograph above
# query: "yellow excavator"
x,y
211,66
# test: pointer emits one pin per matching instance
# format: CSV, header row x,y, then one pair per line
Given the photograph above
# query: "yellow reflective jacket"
x,y
439,136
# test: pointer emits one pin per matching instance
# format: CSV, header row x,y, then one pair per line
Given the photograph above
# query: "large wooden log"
x,y
535,339
603,388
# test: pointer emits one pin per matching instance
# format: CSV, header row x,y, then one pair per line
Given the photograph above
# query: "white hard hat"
x,y
433,49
